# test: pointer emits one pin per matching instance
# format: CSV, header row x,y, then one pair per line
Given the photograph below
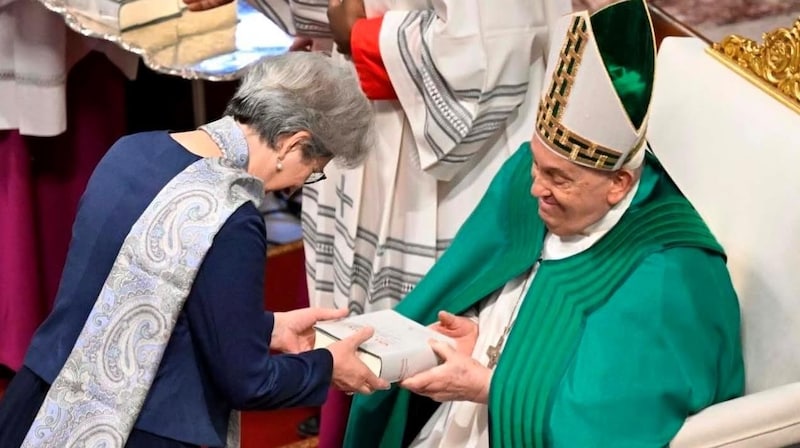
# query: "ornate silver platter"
x,y
215,45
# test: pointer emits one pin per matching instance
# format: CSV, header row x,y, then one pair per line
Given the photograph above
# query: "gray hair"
x,y
304,91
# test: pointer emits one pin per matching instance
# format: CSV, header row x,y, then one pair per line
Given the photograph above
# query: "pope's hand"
x,y
463,330
458,378
202,5
349,373
293,331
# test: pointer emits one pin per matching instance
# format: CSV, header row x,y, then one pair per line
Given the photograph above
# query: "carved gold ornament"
x,y
774,66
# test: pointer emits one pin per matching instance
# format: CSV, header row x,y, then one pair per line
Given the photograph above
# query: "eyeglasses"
x,y
315,177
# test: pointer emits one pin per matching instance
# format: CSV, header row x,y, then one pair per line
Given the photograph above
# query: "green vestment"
x,y
614,346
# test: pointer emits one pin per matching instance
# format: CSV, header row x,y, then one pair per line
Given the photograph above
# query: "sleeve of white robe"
x,y
461,69
307,18
279,11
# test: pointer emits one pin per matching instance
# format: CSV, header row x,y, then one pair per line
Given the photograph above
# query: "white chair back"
x,y
735,152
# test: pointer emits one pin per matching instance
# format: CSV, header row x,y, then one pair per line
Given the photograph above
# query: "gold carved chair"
x,y
725,121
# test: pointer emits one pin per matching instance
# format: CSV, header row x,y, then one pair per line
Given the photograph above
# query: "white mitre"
x,y
601,66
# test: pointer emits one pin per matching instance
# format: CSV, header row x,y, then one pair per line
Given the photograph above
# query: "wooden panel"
x,y
285,283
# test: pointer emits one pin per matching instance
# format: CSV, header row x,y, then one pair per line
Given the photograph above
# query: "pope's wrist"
x,y
486,383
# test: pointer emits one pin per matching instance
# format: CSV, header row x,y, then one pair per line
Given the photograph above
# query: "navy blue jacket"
x,y
218,357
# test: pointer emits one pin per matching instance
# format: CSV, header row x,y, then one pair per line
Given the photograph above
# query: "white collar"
x,y
556,247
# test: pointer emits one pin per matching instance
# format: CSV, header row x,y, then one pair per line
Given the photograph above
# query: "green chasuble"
x,y
614,346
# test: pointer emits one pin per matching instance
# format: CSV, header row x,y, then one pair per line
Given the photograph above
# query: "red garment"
x,y
41,181
22,306
366,53
333,419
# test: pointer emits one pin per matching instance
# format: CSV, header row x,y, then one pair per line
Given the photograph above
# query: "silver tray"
x,y
214,45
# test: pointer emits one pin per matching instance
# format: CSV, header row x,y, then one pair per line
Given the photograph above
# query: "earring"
x,y
279,166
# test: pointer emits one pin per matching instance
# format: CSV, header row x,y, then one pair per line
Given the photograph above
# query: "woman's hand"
x,y
202,5
458,378
293,331
350,374
463,330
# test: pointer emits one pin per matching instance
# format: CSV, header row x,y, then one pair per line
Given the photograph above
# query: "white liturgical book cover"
x,y
399,348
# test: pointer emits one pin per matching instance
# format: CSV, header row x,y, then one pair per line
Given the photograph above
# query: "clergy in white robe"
x,y
455,86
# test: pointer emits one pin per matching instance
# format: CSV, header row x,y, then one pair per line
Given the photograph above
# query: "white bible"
x,y
398,349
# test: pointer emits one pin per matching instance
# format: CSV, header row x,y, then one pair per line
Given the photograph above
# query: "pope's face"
x,y
571,197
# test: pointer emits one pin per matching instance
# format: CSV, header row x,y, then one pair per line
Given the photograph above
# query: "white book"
x,y
398,349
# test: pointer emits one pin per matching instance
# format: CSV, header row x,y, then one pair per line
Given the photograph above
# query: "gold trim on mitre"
x,y
773,66
558,137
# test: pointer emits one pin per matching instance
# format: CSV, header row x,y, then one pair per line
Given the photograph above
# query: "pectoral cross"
x,y
493,352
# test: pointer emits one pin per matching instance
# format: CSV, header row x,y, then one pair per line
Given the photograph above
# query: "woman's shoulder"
x,y
141,149
146,137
